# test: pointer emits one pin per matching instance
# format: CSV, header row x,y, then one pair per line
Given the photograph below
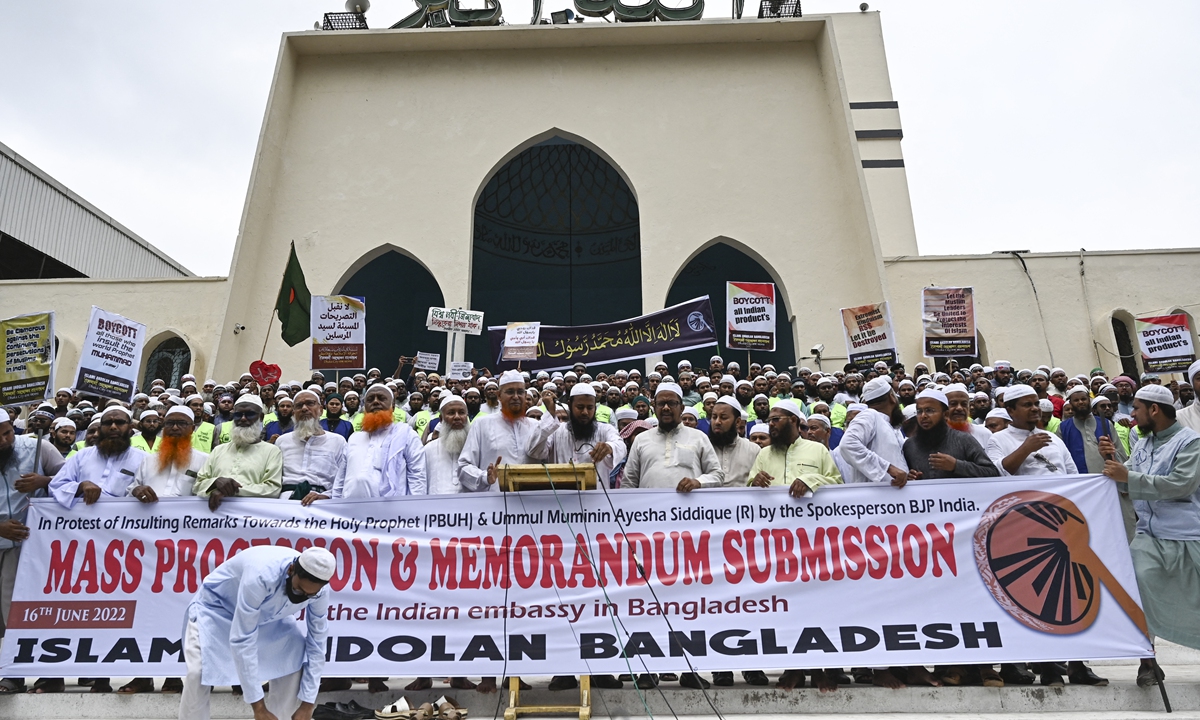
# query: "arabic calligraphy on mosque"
x,y
629,335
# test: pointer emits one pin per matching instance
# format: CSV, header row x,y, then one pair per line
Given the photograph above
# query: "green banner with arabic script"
x,y
686,326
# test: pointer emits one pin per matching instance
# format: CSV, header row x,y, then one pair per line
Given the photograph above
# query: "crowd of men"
x,y
714,426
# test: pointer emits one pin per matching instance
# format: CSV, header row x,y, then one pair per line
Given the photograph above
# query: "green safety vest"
x,y
202,437
140,442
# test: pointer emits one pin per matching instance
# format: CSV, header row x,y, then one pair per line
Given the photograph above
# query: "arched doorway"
x,y
557,241
168,361
1122,324
398,292
706,274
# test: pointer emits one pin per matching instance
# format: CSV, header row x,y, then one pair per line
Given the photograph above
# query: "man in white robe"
x,y
384,459
501,438
103,470
871,448
170,471
735,453
581,440
312,457
674,455
241,629
441,454
1022,448
1189,417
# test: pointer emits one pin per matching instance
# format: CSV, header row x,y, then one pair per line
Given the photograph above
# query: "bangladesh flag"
x,y
294,302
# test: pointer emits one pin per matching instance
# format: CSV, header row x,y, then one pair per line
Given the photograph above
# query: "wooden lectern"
x,y
559,476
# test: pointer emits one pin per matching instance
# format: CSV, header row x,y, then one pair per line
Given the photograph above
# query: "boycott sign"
x,y
750,316
452,320
27,350
338,326
111,356
869,337
978,571
1166,343
948,315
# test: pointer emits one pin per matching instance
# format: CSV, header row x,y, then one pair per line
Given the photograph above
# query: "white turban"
x,y
1193,371
876,388
999,413
509,377
668,387
760,429
625,414
1016,392
934,394
789,406
60,422
583,389
1155,394
182,410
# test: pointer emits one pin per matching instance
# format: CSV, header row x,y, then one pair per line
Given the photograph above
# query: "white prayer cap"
x,y
1077,390
631,385
826,380
1155,394
318,562
976,366
182,410
60,422
625,414
980,396
758,397
733,365
1118,417
708,396
1045,406
1016,392
932,394
4,416
1099,399
350,392
910,412
804,370
207,407
999,413
988,369
1002,364
728,379
148,412
543,375
1040,373
210,381
1193,370
956,387
819,418
469,391
510,377
315,395
760,429
652,375
876,389
129,416
252,400
852,407
714,358
585,389
689,410
490,384
789,406
196,396
731,402
95,422
282,393
1057,370
880,365
571,374
141,396
63,390
908,383
547,386
331,385
668,387
683,364
381,388
652,421
451,400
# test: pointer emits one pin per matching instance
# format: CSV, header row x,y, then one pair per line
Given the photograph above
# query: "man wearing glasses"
x,y
245,466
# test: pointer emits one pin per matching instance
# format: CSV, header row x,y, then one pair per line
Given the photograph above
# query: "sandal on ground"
x,y
398,710
48,685
425,712
137,685
172,686
449,709
12,686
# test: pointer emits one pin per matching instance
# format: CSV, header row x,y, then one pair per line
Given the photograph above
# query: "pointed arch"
x,y
706,271
556,239
399,289
167,356
1123,342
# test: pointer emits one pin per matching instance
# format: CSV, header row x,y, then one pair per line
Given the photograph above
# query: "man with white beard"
x,y
385,458
245,466
581,439
312,457
441,454
170,470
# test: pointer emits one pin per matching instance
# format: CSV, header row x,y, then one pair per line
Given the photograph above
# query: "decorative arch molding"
x,y
182,360
1123,349
370,256
745,250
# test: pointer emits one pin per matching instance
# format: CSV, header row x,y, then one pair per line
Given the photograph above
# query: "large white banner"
x,y
111,356
545,583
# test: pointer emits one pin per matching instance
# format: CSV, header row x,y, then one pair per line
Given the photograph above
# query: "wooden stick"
x,y
263,354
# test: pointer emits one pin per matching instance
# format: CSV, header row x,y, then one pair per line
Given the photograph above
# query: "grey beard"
x,y
452,440
246,436
307,428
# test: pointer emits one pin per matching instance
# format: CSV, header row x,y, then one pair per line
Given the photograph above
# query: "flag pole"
x,y
270,321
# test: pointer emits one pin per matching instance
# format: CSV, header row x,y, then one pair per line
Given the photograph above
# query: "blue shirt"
x,y
342,427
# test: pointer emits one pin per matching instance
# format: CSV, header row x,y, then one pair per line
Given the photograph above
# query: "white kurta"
x,y
1054,459
661,460
112,474
553,442
171,482
249,633
981,434
1190,416
493,436
317,462
869,447
386,463
736,461
442,470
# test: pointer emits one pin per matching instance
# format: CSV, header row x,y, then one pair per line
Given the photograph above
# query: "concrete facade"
x,y
779,137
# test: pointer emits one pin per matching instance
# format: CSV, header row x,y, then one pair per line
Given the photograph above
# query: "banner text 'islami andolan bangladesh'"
x,y
546,583
682,327
111,356
27,352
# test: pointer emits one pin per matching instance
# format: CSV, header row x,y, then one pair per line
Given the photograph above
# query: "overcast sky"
x,y
1027,125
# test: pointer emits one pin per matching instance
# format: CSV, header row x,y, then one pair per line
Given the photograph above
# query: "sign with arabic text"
x,y
520,341
686,326
339,332
454,320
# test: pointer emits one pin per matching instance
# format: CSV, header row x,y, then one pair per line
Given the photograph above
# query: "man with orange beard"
x,y
384,459
171,470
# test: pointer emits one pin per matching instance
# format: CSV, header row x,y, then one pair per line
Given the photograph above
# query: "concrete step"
x,y
1122,696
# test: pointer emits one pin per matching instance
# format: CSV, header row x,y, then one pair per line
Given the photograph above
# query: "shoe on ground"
x,y
722,679
1016,674
668,677
1049,678
647,682
563,682
758,678
693,681
607,682
1083,675
990,678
